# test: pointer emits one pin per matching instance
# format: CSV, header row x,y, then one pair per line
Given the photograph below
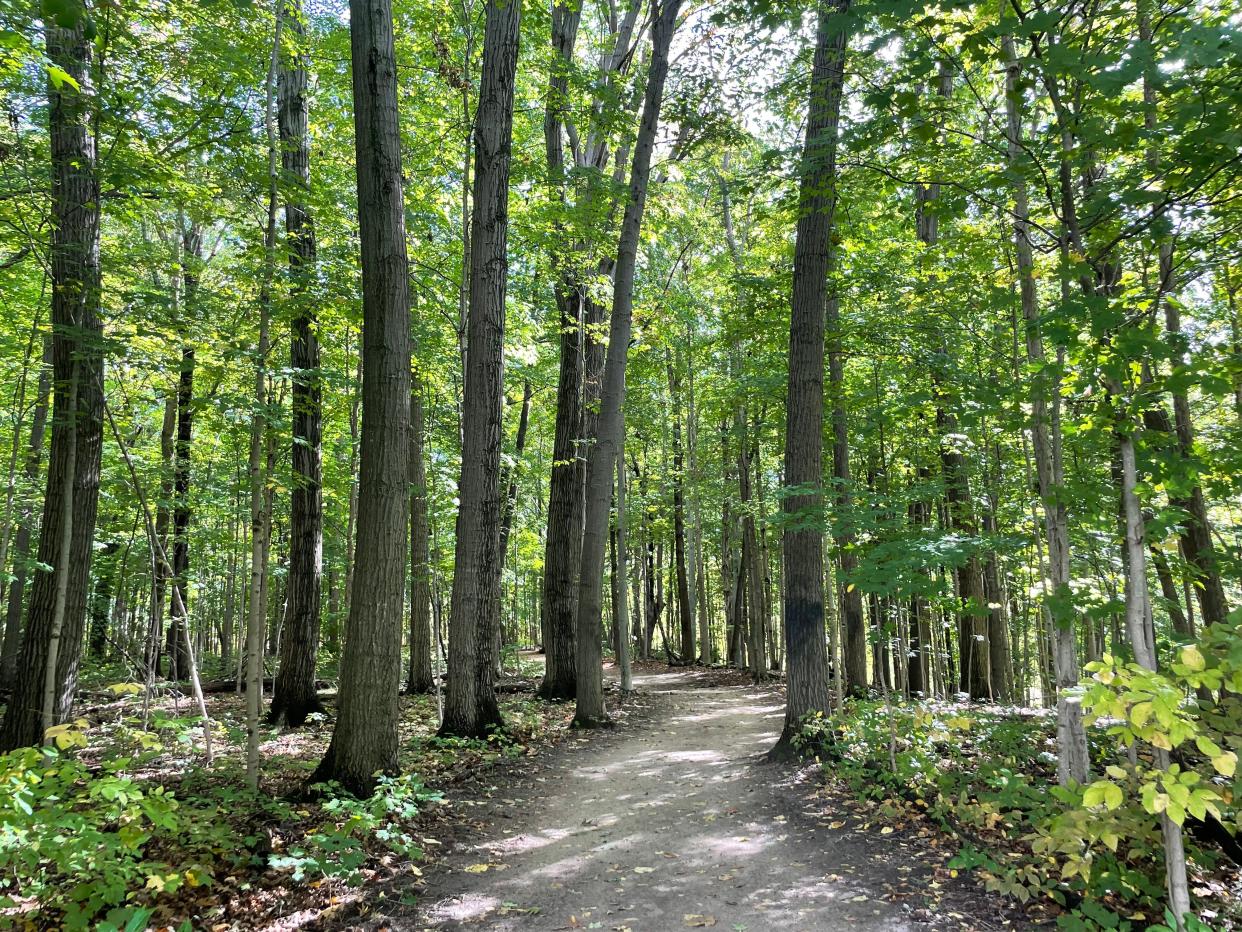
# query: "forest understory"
x,y
632,464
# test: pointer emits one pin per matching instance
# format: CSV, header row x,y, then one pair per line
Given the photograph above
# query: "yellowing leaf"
x,y
1226,764
1192,657
478,868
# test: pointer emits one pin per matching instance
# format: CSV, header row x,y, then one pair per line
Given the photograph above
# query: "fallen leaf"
x,y
695,920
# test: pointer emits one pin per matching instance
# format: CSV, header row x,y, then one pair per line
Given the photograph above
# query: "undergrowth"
x,y
989,777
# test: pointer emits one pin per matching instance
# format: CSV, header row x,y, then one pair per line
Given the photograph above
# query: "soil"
x,y
677,821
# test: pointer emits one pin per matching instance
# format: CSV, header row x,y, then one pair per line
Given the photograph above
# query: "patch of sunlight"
x,y
468,907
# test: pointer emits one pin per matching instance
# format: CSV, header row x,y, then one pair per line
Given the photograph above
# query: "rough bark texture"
x,y
620,578
294,697
420,678
560,552
76,335
21,544
802,543
175,646
470,708
509,486
601,457
364,741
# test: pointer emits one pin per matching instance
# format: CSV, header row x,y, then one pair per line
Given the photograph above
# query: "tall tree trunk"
x,y
1073,761
260,510
364,741
77,432
1000,661
918,677
1196,529
602,454
293,695
620,579
420,679
752,570
21,543
470,708
560,563
972,625
698,578
685,611
802,543
176,645
509,485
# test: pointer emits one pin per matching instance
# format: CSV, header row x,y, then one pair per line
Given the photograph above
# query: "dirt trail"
x,y
672,824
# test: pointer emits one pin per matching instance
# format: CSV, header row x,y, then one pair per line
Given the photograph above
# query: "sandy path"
x,y
672,824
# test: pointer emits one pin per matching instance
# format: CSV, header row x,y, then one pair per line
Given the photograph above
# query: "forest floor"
x,y
674,821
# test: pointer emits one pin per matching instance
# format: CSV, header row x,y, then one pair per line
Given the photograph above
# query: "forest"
x,y
621,464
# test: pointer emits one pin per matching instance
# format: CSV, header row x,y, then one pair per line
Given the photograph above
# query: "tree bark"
x,y
21,543
509,485
364,741
470,708
560,554
294,696
620,586
175,646
260,510
77,430
420,678
1073,762
752,569
802,542
685,610
602,454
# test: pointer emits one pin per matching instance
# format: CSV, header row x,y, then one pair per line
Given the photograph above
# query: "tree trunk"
x,y
509,485
1000,678
260,511
752,571
918,679
620,579
78,414
1168,590
175,646
560,553
470,708
101,599
802,543
685,611
1073,761
21,543
294,696
364,741
420,679
602,454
